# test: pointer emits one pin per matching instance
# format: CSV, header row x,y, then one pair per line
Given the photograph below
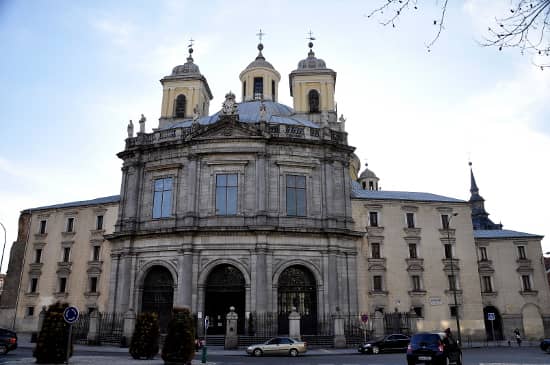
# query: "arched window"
x,y
180,106
313,98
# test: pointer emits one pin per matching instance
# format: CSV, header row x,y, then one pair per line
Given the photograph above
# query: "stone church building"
x,y
261,206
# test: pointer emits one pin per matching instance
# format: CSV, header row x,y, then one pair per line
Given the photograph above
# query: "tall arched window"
x,y
313,98
180,106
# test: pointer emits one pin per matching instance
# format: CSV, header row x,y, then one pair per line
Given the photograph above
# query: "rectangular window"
x,y
30,311
448,250
99,222
162,198
244,90
521,252
377,282
226,194
93,284
66,254
273,90
34,285
526,281
416,283
295,196
375,250
487,285
42,226
454,310
413,254
373,219
70,224
410,220
418,311
258,88
95,253
452,282
445,221
483,253
37,255
62,285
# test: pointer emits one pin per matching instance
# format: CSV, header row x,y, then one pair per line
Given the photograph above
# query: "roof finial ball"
x,y
260,47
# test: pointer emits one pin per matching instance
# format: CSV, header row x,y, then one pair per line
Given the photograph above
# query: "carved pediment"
x,y
227,126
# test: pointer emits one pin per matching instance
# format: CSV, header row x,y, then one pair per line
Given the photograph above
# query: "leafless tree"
x,y
527,26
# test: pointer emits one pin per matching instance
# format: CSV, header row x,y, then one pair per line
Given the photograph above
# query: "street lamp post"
x,y
457,312
3,248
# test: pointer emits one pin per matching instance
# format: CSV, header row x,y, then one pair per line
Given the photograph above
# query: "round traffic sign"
x,y
70,314
364,318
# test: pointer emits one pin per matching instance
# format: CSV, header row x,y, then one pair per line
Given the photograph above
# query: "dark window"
x,y
93,284
418,311
66,254
371,185
272,90
377,282
244,90
412,251
452,282
416,283
313,98
454,310
70,224
62,285
373,219
526,280
162,198
445,221
375,250
410,220
487,285
180,106
258,88
34,285
521,252
30,311
42,226
364,185
483,253
448,251
37,255
226,194
296,195
96,251
99,222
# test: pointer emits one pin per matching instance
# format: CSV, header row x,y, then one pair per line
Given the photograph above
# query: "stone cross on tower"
x,y
260,35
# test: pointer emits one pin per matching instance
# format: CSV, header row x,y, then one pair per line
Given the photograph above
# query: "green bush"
x,y
179,345
51,347
145,340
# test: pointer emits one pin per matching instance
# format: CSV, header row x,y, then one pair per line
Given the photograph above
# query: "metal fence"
x,y
111,327
80,329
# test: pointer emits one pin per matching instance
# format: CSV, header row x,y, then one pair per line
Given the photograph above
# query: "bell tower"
x,y
186,93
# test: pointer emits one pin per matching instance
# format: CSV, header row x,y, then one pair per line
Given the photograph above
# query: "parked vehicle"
x,y
430,348
8,341
394,342
545,345
278,346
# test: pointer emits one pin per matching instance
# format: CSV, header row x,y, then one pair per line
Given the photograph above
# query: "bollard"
x,y
203,357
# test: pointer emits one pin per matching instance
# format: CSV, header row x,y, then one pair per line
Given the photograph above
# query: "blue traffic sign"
x,y
70,314
491,316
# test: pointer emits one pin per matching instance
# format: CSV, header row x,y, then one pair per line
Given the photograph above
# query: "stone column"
x,y
294,324
413,320
378,324
261,276
93,329
231,336
187,278
339,333
332,280
41,317
129,325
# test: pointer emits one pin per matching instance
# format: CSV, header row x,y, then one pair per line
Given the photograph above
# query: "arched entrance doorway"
x,y
297,288
225,287
158,294
496,325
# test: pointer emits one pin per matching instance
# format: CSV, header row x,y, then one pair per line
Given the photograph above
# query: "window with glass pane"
x,y
445,221
226,194
454,310
162,198
34,285
99,222
93,284
416,282
373,219
412,251
62,285
96,251
66,254
487,285
521,252
526,280
483,253
258,88
38,256
42,226
70,224
452,282
296,195
377,282
410,220
448,251
375,250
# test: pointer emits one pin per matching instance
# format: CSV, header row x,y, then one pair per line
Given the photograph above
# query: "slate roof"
x,y
359,193
502,233
249,112
96,201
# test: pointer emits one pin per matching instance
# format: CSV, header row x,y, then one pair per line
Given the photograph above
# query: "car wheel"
x,y
375,350
293,352
257,352
547,350
3,349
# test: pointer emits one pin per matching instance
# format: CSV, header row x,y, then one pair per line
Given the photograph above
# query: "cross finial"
x,y
190,43
260,35
311,37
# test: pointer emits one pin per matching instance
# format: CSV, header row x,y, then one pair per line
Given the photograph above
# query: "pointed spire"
x,y
480,217
473,186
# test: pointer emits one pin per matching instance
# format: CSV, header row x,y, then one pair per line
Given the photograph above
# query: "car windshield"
x,y
425,338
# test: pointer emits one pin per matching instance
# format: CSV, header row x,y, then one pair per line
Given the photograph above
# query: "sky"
x,y
72,73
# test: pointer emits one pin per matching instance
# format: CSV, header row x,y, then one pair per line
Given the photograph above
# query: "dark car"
x,y
8,341
395,342
545,345
430,348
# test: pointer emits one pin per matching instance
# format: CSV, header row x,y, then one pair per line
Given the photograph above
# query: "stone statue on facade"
x,y
130,129
342,119
196,115
229,107
142,124
263,112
